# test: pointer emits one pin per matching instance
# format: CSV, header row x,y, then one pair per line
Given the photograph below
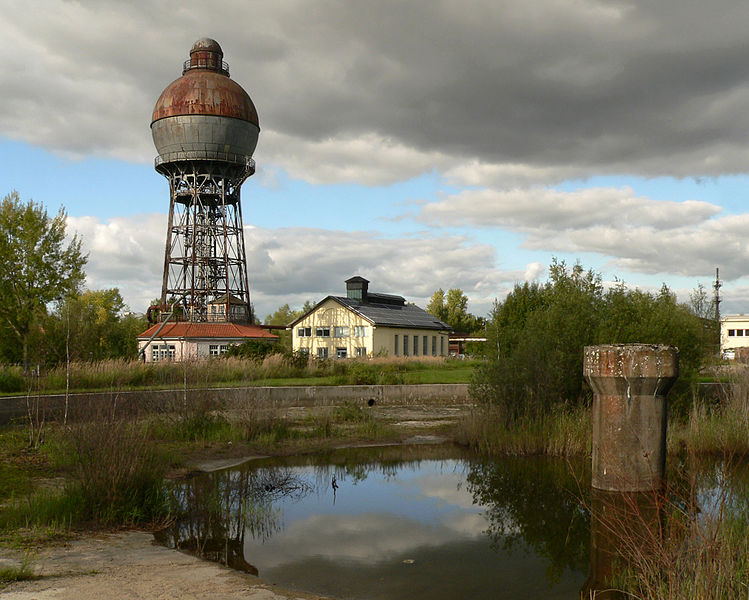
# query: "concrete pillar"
x,y
630,383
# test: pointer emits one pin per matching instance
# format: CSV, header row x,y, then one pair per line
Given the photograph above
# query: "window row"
x,y
421,344
341,352
339,332
738,332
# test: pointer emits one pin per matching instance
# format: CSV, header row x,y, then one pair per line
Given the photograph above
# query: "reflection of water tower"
x,y
205,129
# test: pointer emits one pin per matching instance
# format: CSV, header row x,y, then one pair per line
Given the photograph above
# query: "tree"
x,y
38,266
284,315
536,337
452,308
94,326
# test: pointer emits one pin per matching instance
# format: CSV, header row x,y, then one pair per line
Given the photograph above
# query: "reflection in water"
x,y
650,541
216,512
436,523
625,528
536,502
387,523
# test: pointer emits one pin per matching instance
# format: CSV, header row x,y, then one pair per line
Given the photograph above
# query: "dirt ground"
x,y
131,566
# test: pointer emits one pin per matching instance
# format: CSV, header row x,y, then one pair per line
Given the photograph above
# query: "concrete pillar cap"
x,y
631,360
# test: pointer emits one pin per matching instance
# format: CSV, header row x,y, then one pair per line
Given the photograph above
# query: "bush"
x,y
537,335
115,467
12,380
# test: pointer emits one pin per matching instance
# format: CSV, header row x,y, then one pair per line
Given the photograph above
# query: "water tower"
x,y
205,129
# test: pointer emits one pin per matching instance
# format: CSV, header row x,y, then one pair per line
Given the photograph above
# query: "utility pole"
x,y
716,286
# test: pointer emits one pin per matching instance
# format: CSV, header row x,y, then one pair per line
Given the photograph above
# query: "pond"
x,y
395,522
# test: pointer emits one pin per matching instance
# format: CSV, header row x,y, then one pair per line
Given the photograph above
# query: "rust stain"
x,y
204,92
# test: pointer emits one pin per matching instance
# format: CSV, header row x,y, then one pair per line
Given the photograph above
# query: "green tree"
x,y
39,267
452,308
537,336
284,315
437,306
94,327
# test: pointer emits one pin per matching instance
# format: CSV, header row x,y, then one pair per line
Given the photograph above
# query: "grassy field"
x,y
274,370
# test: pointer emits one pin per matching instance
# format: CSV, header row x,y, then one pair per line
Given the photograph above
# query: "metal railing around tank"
x,y
229,157
201,63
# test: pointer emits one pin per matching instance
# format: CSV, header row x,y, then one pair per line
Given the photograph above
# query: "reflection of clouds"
x,y
447,487
467,524
366,538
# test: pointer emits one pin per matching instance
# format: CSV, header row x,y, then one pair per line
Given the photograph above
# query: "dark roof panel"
x,y
393,315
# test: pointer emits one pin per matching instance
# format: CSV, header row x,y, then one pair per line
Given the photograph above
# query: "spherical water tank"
x,y
205,115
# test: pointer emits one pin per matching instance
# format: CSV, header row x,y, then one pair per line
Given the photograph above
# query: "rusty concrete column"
x,y
630,383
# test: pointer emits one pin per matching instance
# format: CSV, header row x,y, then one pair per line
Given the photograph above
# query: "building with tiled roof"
x,y
180,340
365,323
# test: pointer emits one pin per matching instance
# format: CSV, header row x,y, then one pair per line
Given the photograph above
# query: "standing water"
x,y
376,523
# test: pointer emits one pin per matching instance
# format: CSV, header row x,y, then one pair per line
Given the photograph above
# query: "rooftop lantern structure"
x,y
205,129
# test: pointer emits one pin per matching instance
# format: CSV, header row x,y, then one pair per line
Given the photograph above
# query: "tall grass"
x,y
719,427
125,374
114,474
564,431
678,544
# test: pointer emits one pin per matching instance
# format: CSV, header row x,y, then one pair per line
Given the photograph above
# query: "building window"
x,y
405,345
322,353
731,332
340,331
322,331
739,332
396,344
361,353
434,345
360,331
341,353
442,345
162,352
425,347
416,345
304,332
217,349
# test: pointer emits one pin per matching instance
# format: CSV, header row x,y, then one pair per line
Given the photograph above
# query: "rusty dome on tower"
x,y
204,114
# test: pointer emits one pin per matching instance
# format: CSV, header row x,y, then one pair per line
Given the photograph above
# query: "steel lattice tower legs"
x,y
205,268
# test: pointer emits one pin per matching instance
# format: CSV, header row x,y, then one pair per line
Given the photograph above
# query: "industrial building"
x,y
364,324
205,128
734,335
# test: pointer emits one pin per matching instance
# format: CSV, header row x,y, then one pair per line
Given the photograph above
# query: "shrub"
x,y
12,380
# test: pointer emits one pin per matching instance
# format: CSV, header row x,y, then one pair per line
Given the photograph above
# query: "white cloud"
x,y
367,158
541,208
533,271
632,233
291,265
124,252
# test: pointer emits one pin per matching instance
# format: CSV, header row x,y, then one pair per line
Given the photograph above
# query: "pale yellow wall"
x,y
735,323
331,314
378,341
385,340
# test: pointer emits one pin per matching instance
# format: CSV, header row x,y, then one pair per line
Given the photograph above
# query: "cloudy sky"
x,y
420,144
